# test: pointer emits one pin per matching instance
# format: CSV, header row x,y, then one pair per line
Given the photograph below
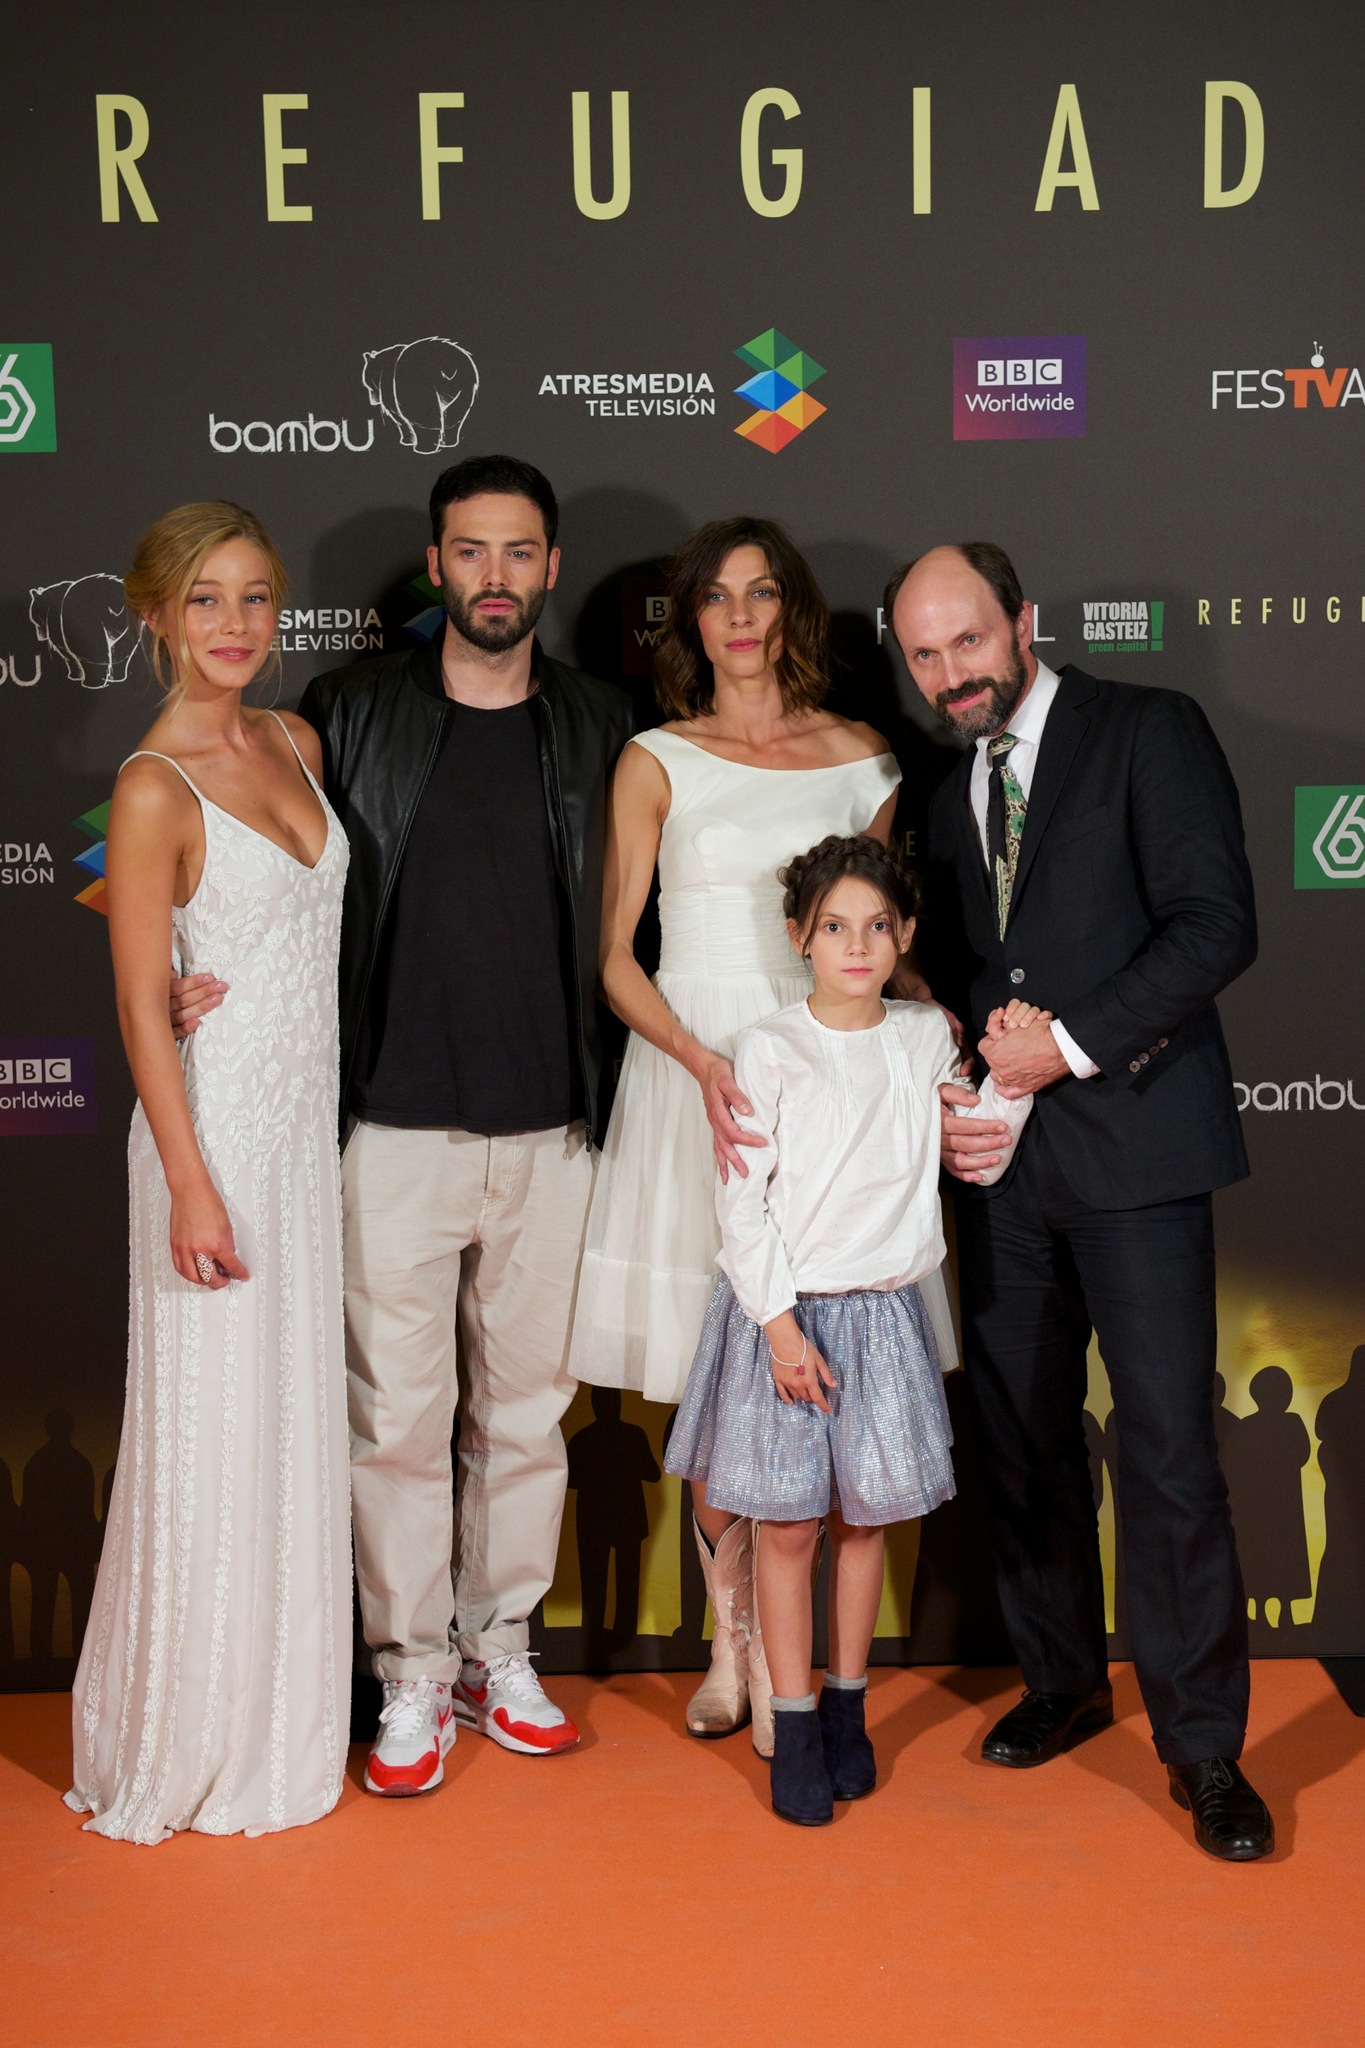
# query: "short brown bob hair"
x,y
684,682
810,879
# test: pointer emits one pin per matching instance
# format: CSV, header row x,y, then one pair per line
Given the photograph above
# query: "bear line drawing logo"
x,y
424,388
86,624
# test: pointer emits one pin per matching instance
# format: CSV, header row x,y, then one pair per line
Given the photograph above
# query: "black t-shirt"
x,y
469,1028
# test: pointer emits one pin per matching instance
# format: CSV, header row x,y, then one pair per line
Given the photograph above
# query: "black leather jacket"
x,y
380,723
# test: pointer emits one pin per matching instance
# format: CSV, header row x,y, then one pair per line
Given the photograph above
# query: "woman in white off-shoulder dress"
x,y
749,772
213,1688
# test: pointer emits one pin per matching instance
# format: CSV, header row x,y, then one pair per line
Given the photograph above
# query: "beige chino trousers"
x,y
445,1230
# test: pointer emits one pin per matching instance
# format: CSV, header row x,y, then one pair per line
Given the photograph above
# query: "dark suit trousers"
x,y
1039,1270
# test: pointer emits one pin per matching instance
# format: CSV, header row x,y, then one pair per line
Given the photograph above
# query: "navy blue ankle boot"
x,y
850,1764
800,1784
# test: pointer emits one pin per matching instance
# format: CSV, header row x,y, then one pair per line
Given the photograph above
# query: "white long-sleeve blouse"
x,y
844,1196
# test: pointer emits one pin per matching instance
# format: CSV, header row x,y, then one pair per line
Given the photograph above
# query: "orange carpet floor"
x,y
641,1891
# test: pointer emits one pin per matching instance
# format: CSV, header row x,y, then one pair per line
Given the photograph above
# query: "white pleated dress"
x,y
649,1265
213,1686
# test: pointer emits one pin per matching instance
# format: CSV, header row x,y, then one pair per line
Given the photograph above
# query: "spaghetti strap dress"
x,y
213,1686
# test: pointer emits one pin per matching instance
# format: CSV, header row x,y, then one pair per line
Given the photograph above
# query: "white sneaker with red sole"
x,y
416,1733
505,1700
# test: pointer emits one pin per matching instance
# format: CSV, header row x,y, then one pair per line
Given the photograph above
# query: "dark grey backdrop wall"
x,y
1083,280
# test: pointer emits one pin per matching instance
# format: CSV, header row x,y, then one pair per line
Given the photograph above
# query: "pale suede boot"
x,y
721,1702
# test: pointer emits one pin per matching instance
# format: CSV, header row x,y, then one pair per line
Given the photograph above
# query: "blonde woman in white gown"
x,y
748,772
214,1681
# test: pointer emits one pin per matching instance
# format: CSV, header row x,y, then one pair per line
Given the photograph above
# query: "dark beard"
x,y
493,636
986,719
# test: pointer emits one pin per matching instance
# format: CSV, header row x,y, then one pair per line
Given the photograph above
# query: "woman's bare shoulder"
x,y
852,740
299,730
149,792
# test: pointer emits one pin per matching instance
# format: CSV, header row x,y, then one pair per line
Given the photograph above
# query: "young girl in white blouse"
x,y
816,1392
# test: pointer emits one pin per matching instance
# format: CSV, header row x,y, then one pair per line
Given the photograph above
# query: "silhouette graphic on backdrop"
x,y
610,1464
1265,1455
9,1557
1225,1426
1339,1612
424,388
59,1537
86,624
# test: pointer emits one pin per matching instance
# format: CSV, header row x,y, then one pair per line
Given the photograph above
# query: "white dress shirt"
x,y
844,1196
1026,724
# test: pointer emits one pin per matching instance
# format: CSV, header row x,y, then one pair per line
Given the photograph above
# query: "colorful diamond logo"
x,y
779,391
95,824
427,622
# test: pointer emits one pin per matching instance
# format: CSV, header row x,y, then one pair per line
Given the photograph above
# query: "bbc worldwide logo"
x,y
1329,837
1019,387
47,1086
28,409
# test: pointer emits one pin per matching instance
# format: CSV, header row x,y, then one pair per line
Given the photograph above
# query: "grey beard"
x,y
983,721
493,636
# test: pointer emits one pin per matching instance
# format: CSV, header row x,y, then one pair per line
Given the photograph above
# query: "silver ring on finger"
x,y
203,1266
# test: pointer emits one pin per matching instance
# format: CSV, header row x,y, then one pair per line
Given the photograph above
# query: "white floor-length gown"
x,y
213,1685
649,1265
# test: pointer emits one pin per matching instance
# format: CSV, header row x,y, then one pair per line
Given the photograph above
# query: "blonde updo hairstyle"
x,y
169,557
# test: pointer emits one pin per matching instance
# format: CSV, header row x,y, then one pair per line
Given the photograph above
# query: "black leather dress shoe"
x,y
1044,1724
1231,1819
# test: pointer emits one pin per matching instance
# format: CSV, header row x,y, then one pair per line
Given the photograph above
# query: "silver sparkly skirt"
x,y
881,1454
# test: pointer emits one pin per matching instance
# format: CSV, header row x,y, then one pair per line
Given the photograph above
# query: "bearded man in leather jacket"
x,y
471,776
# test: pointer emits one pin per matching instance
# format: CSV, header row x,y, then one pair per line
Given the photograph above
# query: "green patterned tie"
x,y
1006,809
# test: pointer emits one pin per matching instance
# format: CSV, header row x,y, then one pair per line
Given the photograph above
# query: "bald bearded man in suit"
x,y
1087,854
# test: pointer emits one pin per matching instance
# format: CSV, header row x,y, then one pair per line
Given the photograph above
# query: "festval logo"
x,y
95,824
780,391
28,409
1019,387
1329,838
47,1085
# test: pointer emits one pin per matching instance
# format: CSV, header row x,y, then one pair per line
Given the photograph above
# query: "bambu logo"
x,y
28,409
1329,838
86,624
1127,625
47,1085
1019,387
1274,1097
1265,390
424,388
779,390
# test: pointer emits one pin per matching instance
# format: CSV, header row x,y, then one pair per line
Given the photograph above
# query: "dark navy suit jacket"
x,y
1132,908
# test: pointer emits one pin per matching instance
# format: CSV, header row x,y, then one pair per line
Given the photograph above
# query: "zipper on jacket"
x,y
589,1104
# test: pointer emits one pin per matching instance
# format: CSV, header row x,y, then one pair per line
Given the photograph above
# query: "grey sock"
x,y
804,1704
846,1684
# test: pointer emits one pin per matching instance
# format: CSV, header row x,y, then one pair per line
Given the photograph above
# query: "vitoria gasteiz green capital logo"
x,y
780,389
28,410
1329,838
